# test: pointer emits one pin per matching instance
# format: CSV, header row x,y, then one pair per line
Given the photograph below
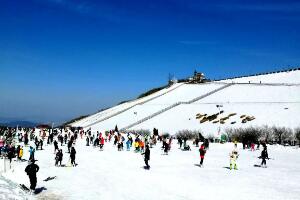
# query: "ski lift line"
x,y
174,105
128,108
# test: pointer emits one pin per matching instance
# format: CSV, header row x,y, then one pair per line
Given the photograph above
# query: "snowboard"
x,y
50,178
260,166
27,190
24,188
198,165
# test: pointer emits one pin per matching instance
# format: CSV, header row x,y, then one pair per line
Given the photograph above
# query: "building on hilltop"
x,y
198,78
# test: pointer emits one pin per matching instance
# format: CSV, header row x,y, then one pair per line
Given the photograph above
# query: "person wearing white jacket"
x,y
233,157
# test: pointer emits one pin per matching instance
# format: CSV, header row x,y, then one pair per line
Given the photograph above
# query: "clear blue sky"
x,y
63,58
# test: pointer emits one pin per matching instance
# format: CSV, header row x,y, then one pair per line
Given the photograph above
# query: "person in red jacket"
x,y
101,143
202,151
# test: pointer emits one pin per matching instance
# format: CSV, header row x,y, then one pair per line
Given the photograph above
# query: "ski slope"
x,y
273,99
184,117
111,174
90,120
287,77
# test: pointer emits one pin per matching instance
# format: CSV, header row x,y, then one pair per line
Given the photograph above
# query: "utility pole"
x,y
219,106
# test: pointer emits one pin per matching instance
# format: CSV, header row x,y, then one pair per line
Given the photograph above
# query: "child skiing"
x,y
202,151
233,157
264,156
147,156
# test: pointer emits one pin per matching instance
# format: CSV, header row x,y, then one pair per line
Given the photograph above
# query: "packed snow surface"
x,y
112,174
273,99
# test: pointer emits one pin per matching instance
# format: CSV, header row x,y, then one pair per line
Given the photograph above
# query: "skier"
x,y
31,153
252,146
197,142
31,171
61,139
11,153
41,144
70,145
55,145
101,143
58,157
65,138
72,156
147,156
166,147
20,154
179,142
202,151
25,139
264,156
87,141
36,142
128,145
233,157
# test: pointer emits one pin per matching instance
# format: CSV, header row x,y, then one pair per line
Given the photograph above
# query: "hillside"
x,y
268,99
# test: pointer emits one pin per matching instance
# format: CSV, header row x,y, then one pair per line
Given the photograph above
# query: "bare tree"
x,y
282,134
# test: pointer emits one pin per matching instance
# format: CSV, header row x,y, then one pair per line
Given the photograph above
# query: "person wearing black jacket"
x,y
58,157
147,156
55,146
31,171
72,156
70,145
264,156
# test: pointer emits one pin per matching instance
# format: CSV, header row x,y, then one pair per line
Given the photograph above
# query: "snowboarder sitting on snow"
x,y
187,148
233,157
202,151
31,171
147,156
264,156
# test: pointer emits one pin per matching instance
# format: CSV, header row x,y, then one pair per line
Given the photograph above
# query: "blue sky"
x,y
63,58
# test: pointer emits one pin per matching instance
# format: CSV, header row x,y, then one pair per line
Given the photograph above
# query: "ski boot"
x,y
235,167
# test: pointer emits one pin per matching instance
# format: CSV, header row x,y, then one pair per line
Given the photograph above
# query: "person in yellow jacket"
x,y
20,155
137,147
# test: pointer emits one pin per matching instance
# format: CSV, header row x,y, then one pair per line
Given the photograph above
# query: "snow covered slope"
x,y
272,99
112,174
276,77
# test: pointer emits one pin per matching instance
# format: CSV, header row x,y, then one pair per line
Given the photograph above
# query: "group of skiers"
x,y
141,144
233,155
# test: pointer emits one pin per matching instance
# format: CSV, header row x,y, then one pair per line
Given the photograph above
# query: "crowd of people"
x,y
12,142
